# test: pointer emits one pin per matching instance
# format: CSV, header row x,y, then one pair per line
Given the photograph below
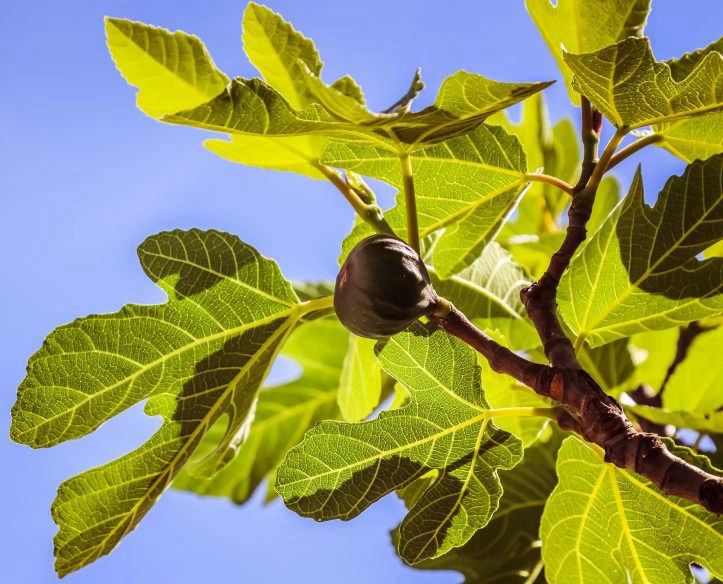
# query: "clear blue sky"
x,y
86,177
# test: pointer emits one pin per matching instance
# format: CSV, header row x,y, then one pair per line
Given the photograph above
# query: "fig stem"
x,y
410,200
550,180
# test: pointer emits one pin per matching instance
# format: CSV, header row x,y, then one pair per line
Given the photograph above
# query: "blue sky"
x,y
86,177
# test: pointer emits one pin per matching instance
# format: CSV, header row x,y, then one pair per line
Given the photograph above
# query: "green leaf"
x,y
488,293
507,550
283,413
463,102
695,384
341,468
639,271
610,365
250,106
172,71
581,26
604,524
503,391
615,77
200,356
277,50
693,138
467,185
360,387
652,353
702,422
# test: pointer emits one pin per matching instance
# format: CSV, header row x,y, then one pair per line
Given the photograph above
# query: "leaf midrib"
x,y
202,424
197,89
651,268
199,341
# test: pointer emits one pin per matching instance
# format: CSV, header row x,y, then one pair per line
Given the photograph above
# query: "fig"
x,y
382,288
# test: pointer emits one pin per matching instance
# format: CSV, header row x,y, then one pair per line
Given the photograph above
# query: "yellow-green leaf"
x,y
172,71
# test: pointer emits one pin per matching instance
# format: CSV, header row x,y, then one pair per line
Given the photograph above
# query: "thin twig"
x,y
370,213
550,180
631,149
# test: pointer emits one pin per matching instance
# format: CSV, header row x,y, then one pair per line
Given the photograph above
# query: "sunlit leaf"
x,y
278,51
615,77
283,414
508,549
581,26
172,71
467,185
200,356
340,468
639,271
604,524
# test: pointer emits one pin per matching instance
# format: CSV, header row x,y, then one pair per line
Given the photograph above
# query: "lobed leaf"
x,y
692,138
615,77
507,550
278,51
197,358
172,71
283,413
639,271
604,524
341,468
581,26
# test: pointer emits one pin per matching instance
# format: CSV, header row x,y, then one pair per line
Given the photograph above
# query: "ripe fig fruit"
x,y
382,288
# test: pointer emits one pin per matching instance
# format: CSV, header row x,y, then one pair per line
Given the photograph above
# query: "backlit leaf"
x,y
615,77
341,468
283,413
581,26
172,71
507,551
639,271
604,524
199,357
468,185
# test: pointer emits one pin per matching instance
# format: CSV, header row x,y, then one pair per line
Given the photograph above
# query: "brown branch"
x,y
540,299
591,413
585,408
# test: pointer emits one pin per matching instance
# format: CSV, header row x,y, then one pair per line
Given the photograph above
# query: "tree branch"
x,y
631,149
585,408
591,413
